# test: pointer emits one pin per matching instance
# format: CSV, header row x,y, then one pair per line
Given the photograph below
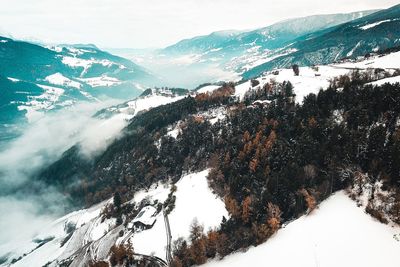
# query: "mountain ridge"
x,y
36,79
335,43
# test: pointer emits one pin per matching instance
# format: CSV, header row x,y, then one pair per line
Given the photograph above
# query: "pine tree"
x,y
232,207
117,200
296,70
246,209
274,217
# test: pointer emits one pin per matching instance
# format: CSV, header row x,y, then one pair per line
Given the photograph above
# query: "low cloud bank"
x,y
41,143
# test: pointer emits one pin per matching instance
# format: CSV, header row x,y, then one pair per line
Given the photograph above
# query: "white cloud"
x,y
23,213
153,23
46,139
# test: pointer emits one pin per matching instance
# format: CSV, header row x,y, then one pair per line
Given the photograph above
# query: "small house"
x,y
261,103
145,219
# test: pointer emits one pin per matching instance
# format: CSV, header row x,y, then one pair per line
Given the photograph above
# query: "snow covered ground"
x,y
390,61
86,64
194,200
309,81
101,81
337,234
392,80
38,104
89,228
59,79
208,88
372,25
145,103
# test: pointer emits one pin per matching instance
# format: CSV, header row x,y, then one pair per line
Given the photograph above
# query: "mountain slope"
x,y
270,159
238,49
62,240
378,31
36,79
339,227
224,55
151,128
30,62
270,37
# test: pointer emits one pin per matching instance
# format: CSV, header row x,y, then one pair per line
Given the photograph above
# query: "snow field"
x,y
194,200
337,234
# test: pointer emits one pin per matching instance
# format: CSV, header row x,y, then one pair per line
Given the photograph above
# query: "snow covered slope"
x,y
148,99
337,234
395,79
389,61
194,200
358,37
66,235
223,55
83,235
309,81
239,51
313,79
35,79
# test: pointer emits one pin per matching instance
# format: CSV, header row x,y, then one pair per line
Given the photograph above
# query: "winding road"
x,y
168,251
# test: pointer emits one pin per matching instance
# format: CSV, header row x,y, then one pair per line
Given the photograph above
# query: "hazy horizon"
x,y
153,23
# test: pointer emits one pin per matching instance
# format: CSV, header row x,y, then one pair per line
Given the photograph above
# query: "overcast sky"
x,y
153,23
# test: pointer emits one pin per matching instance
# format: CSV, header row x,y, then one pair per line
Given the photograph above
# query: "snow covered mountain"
x,y
232,55
222,153
224,55
36,79
378,31
243,48
285,167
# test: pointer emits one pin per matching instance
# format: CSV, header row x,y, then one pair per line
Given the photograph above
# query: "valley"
x,y
273,146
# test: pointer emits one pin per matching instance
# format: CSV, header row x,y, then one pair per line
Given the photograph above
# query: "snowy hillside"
x,y
338,233
390,61
194,201
224,55
83,235
313,79
241,50
264,163
372,33
148,99
307,82
88,235
36,79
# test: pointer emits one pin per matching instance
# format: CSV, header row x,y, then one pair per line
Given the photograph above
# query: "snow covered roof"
x,y
146,216
262,102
